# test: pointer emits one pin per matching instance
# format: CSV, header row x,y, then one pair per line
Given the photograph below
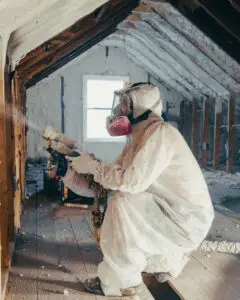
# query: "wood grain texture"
x,y
205,130
75,39
19,99
3,170
195,127
231,132
217,136
213,276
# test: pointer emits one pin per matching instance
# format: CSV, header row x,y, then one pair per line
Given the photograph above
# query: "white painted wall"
x,y
43,100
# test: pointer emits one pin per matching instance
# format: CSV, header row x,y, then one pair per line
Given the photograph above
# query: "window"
x,y
98,98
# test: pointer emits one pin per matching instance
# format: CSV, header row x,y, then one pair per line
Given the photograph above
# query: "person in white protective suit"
x,y
161,209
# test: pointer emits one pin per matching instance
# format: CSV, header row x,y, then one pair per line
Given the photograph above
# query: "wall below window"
x,y
44,99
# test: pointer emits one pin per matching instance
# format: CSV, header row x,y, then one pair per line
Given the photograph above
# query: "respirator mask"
x,y
118,123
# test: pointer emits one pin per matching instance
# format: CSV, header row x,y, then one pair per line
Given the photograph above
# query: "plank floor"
x,y
55,251
213,276
53,255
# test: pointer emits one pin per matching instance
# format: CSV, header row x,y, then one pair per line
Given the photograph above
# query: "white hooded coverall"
x,y
161,210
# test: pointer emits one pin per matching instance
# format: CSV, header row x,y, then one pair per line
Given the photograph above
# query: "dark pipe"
x,y
62,105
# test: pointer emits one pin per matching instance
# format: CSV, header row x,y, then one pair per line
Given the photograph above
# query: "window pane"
x,y
96,125
100,92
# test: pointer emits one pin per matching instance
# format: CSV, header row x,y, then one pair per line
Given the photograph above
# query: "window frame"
x,y
85,107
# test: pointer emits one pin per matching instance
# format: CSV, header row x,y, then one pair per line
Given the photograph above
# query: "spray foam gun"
x,y
59,145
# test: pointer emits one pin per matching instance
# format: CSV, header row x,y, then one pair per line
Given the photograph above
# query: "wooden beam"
x,y
231,132
20,145
185,125
217,135
86,33
187,122
195,126
9,151
220,23
205,130
217,59
224,14
181,116
23,145
3,173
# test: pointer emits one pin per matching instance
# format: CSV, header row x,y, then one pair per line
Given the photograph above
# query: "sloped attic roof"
x,y
29,23
156,36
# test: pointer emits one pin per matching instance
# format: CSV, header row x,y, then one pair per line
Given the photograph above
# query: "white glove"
x,y
83,164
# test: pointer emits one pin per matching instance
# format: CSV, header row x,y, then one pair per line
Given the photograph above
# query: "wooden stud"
x,y
22,101
3,173
231,132
195,130
9,151
181,117
187,124
20,144
205,130
217,136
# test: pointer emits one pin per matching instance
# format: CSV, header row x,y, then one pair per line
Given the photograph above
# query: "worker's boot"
x,y
140,292
93,286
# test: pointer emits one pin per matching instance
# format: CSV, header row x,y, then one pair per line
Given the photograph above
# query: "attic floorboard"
x,y
48,262
55,252
213,276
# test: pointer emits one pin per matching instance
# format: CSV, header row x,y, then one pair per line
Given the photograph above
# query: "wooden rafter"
x,y
20,144
221,22
70,43
9,151
217,137
187,122
224,14
195,126
231,132
205,129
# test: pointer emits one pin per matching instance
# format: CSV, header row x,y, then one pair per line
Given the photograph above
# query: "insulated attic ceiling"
x,y
157,36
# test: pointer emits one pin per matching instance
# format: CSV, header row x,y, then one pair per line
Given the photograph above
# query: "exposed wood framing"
x,y
205,131
3,172
181,117
195,126
23,144
20,143
224,14
199,39
217,135
221,22
70,43
187,121
9,152
231,132
48,57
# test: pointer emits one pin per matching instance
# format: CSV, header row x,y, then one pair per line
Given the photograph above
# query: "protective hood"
x,y
145,97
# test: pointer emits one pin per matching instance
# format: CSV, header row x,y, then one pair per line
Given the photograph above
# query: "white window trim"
x,y
85,108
